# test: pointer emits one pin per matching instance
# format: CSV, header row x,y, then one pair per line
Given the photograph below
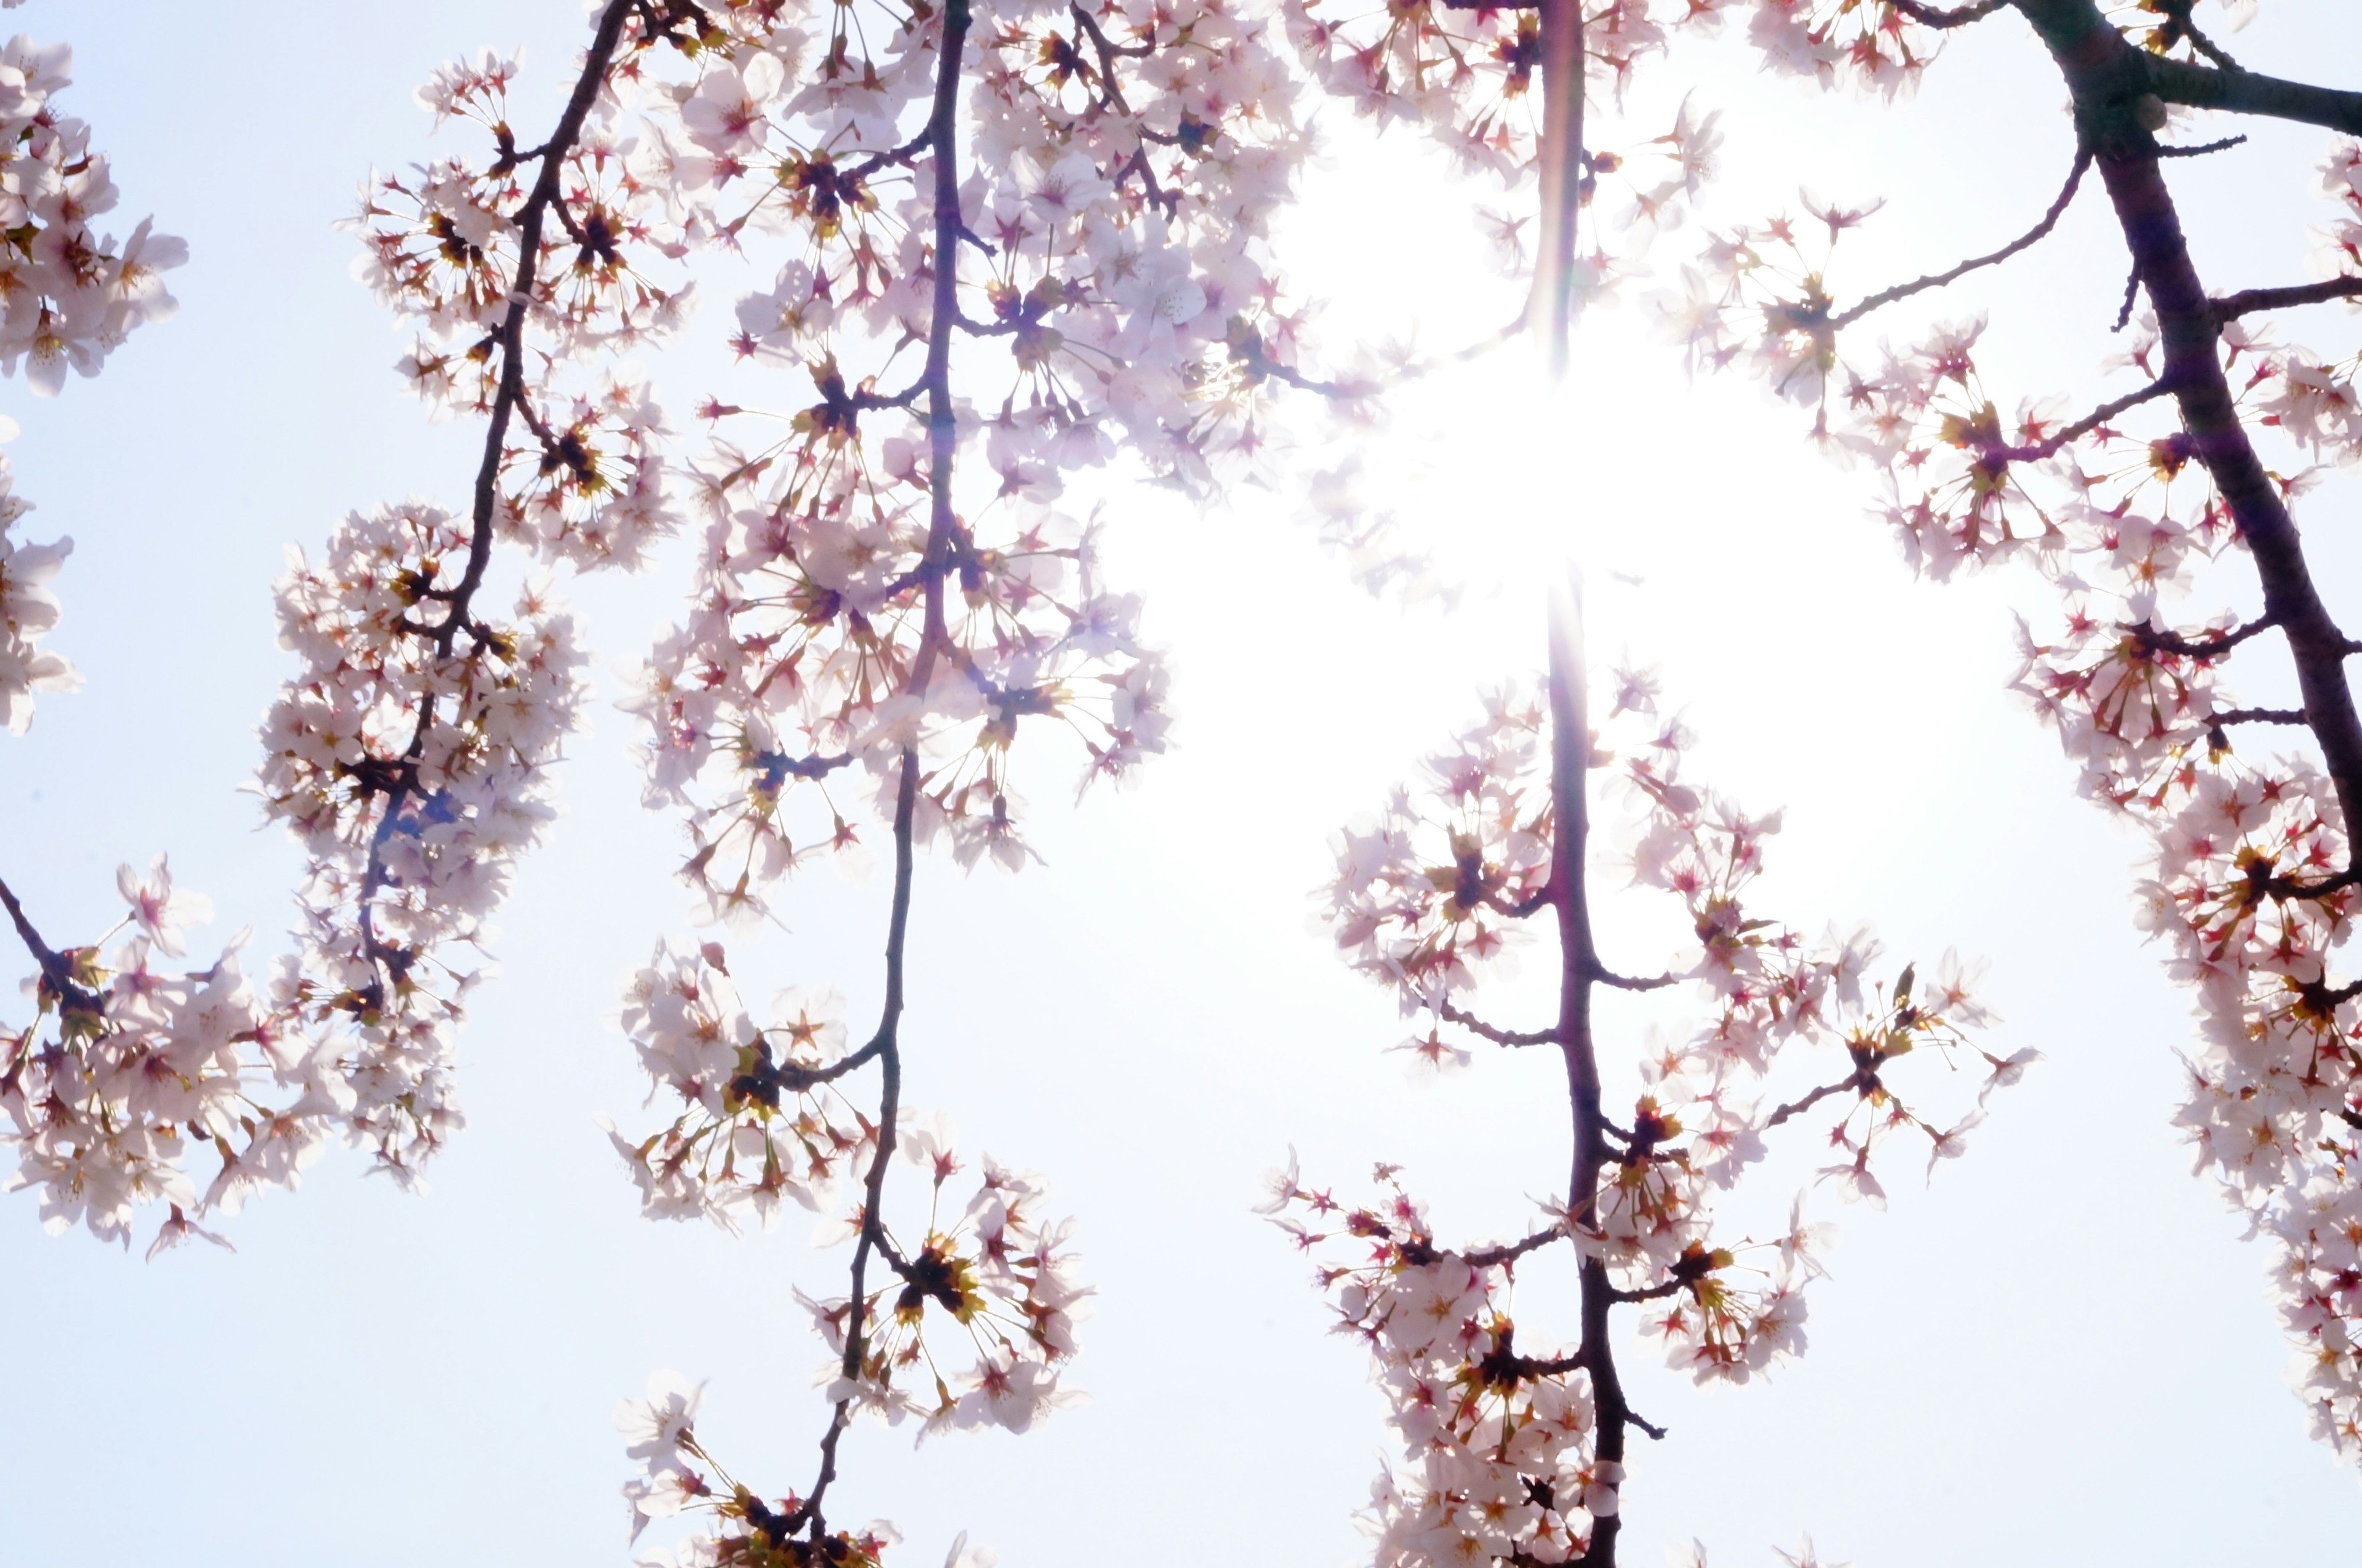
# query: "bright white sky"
x,y
2058,1353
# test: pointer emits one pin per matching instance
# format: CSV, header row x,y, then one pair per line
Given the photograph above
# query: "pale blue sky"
x,y
2059,1353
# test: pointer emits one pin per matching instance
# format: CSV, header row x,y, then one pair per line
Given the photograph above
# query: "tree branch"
x,y
1475,1025
1796,1108
2158,640
389,963
2251,93
2032,237
2247,302
1579,968
55,968
943,539
2035,451
1947,17
1494,1257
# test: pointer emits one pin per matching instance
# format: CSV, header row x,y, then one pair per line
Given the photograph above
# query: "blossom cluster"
x,y
1500,1441
68,298
976,1326
888,569
1424,912
678,1477
411,760
28,612
131,1065
580,478
761,1118
409,754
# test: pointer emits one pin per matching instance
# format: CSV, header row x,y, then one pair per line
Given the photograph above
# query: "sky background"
x,y
2057,1352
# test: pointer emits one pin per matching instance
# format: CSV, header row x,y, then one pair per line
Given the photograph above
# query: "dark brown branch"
x,y
1947,17
889,1096
1796,1108
56,969
1533,903
2179,27
2258,717
2222,144
1475,1025
2234,92
2158,640
2032,237
2132,297
1111,90
1494,1257
2247,302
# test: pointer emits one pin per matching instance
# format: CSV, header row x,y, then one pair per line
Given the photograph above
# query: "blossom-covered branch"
x,y
2253,870
1516,1452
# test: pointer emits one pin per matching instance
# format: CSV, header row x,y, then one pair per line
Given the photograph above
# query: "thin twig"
x,y
2033,236
1475,1025
1494,1257
2203,148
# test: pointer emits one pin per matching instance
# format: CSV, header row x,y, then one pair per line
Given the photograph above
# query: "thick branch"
x,y
1549,311
2236,91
